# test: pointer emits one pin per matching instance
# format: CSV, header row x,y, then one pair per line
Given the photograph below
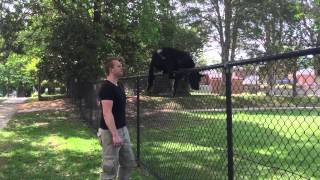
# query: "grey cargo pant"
x,y
115,157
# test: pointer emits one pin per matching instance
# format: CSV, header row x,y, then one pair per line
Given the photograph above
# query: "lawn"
x,y
239,101
50,145
178,144
2,99
268,144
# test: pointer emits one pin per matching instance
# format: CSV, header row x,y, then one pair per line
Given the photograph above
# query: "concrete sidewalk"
x,y
8,108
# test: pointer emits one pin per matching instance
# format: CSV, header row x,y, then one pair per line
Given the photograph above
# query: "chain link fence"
x,y
251,119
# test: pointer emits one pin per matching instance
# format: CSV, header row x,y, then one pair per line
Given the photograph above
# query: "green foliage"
x,y
149,28
72,38
19,71
11,23
72,51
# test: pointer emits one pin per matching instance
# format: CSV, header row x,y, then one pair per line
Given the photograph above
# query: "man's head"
x,y
113,66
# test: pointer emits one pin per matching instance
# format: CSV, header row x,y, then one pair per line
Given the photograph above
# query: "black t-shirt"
x,y
110,91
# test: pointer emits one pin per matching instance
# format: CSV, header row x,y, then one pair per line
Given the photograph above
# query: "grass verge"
x,y
50,145
268,144
2,99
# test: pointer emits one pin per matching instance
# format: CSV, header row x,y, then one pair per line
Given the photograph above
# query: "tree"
x,y
72,38
223,21
19,73
310,18
11,23
272,29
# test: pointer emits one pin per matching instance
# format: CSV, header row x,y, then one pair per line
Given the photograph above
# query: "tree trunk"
x,y
39,88
236,24
271,78
294,85
51,90
295,80
227,41
316,65
7,87
62,90
270,46
97,11
21,90
183,88
316,61
163,86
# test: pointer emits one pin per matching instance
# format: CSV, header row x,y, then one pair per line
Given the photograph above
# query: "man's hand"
x,y
116,140
109,120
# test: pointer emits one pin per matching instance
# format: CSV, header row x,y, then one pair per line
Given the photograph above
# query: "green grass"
x,y
53,96
46,97
2,99
215,101
50,145
269,144
31,99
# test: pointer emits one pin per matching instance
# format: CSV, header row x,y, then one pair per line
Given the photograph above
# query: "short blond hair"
x,y
108,64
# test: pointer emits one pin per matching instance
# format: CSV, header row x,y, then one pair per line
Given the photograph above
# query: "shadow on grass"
x,y
52,97
2,99
286,112
42,124
216,101
25,161
186,146
50,145
29,153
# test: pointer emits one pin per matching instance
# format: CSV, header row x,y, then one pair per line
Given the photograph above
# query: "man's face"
x,y
117,69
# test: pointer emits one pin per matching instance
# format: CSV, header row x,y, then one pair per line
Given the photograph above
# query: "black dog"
x,y
169,60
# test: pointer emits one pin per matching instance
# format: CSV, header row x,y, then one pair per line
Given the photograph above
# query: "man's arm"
x,y
109,120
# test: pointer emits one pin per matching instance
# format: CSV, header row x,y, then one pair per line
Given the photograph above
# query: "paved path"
x,y
8,108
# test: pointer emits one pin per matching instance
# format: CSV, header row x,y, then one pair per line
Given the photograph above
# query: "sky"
x,y
211,55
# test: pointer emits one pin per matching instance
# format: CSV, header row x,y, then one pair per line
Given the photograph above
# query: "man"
x,y
113,133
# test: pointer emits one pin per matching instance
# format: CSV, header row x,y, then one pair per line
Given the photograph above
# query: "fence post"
x,y
138,121
228,73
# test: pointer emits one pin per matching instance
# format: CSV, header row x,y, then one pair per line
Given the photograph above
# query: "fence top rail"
x,y
286,55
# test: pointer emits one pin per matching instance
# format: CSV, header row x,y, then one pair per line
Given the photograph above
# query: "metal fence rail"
x,y
251,119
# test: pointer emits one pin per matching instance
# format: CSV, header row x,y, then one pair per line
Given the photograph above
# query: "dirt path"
x,y
8,108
